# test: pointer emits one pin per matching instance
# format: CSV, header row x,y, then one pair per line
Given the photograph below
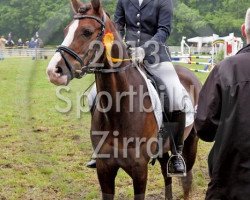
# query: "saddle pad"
x,y
156,103
155,100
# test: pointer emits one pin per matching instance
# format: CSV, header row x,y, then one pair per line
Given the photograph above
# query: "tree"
x,y
191,18
24,18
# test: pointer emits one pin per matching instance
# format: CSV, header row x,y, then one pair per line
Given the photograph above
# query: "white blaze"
x,y
71,33
66,42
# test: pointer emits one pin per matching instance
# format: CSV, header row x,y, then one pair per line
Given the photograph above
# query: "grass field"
x,y
43,152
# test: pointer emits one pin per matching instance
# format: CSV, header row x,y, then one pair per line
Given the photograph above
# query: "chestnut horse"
x,y
75,58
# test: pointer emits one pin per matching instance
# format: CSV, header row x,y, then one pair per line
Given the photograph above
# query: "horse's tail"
x,y
190,149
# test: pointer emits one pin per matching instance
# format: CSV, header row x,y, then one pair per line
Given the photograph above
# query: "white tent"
x,y
202,40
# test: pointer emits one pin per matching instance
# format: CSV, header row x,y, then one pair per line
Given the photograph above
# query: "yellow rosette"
x,y
108,41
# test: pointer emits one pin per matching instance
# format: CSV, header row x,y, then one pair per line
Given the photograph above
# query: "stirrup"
x,y
170,174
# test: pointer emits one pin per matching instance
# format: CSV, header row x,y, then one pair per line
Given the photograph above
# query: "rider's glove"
x,y
137,54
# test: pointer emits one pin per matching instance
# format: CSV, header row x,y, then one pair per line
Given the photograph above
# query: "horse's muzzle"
x,y
56,77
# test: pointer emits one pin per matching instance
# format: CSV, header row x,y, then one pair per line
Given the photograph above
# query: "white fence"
x,y
177,49
26,52
46,52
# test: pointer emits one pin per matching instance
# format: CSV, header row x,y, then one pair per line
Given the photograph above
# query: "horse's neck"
x,y
115,82
119,83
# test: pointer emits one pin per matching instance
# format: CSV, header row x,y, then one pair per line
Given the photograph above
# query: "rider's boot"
x,y
176,164
91,163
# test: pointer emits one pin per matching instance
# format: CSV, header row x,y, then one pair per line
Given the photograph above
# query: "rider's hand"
x,y
137,54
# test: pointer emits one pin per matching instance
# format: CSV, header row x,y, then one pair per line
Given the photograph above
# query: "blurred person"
x,y
20,43
26,42
20,46
32,43
2,47
33,46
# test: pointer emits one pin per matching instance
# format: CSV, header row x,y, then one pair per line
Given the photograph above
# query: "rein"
x,y
88,68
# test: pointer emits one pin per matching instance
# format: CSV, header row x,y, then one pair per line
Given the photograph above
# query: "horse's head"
x,y
75,54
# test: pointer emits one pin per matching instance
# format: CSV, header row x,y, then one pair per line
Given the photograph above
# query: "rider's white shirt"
x,y
140,2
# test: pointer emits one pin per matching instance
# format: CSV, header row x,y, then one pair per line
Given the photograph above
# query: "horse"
x,y
118,118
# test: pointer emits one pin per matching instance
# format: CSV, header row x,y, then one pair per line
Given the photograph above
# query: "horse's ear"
x,y
76,4
96,4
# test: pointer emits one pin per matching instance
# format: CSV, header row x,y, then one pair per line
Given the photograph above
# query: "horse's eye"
x,y
87,33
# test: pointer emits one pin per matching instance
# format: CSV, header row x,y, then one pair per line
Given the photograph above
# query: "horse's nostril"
x,y
59,70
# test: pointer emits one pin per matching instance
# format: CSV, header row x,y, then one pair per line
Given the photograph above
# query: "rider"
x,y
10,42
147,24
20,43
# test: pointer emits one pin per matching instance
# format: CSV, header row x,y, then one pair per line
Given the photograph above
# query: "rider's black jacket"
x,y
149,22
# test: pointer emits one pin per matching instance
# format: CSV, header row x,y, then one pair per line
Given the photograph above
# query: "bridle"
x,y
61,49
87,68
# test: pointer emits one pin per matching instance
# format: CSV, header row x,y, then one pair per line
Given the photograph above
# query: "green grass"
x,y
43,152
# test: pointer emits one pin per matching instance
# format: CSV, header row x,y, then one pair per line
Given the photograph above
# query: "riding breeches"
x,y
179,98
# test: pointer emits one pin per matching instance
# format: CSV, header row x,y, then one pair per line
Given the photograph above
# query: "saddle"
x,y
164,98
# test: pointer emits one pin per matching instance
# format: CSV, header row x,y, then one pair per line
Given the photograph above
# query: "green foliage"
x,y
187,22
219,57
191,18
24,18
204,17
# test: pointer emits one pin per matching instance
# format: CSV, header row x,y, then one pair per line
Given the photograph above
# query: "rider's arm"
x,y
209,107
119,18
164,21
164,24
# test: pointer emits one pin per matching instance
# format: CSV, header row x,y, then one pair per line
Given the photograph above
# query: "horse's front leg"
x,y
137,169
106,175
139,176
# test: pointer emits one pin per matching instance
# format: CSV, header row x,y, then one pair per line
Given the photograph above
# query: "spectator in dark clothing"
x,y
223,116
20,43
32,43
33,46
